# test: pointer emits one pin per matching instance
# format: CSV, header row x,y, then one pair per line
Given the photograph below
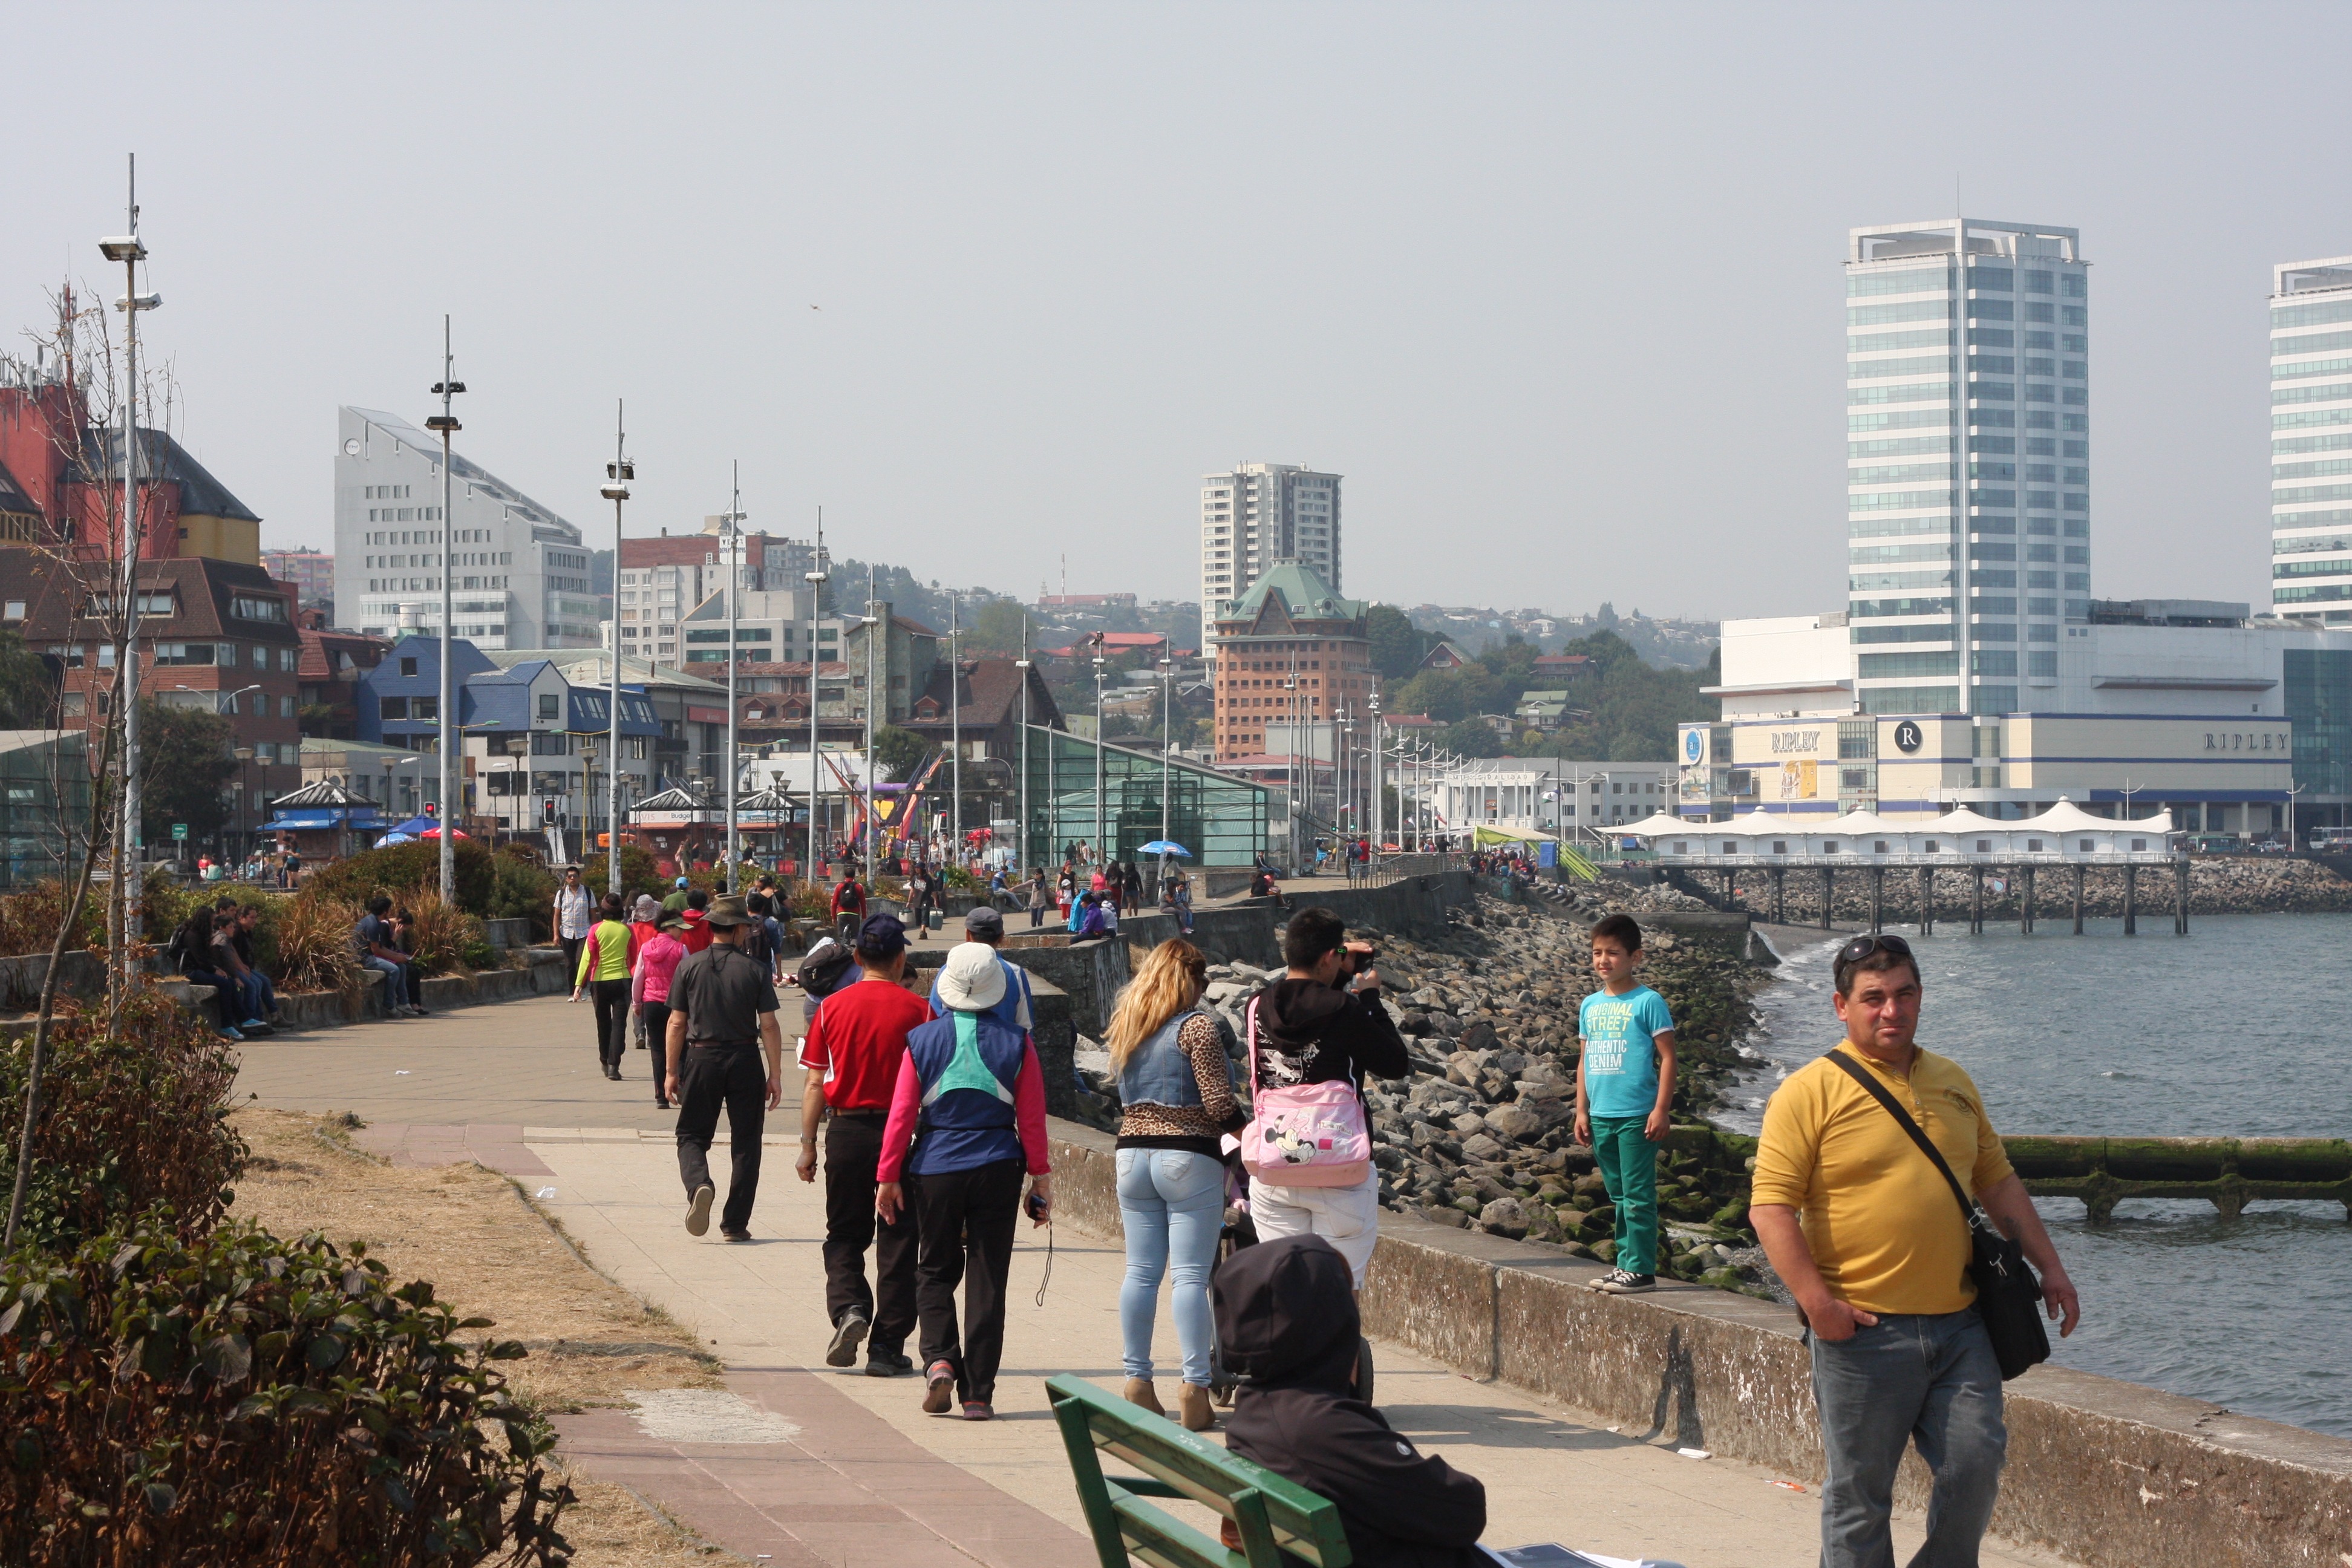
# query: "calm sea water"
x,y
2237,1030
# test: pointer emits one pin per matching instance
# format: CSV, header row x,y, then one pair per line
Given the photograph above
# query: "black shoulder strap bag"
x,y
2009,1296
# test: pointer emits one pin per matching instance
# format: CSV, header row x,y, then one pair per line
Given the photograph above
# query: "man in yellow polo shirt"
x,y
1863,1229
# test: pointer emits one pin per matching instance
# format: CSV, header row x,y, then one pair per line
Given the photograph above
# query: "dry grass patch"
x,y
488,1252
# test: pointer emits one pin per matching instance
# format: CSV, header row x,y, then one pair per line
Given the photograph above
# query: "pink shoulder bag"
x,y
1306,1135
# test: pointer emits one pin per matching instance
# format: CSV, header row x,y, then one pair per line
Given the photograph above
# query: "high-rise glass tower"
x,y
1255,515
1968,449
2311,440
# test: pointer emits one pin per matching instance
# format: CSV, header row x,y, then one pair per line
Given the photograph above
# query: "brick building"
x,y
1290,651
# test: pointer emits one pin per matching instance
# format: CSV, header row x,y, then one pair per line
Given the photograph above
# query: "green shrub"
x,y
167,906
401,869
637,875
29,920
127,1124
523,889
241,1400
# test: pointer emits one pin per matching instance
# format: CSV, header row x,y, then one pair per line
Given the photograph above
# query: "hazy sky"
x,y
1557,288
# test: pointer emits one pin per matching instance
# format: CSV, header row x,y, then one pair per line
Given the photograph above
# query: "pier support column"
x,y
1927,900
2026,900
1730,892
2181,915
2131,901
2078,900
1829,894
1779,895
1976,903
1877,899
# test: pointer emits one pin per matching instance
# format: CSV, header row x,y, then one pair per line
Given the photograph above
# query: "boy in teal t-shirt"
x,y
1624,1093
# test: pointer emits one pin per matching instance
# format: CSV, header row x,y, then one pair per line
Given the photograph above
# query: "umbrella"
x,y
1166,846
436,832
395,837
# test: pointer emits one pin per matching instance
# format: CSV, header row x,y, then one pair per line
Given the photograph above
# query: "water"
x,y
2236,1031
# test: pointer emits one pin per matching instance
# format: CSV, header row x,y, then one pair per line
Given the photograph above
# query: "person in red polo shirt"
x,y
852,1051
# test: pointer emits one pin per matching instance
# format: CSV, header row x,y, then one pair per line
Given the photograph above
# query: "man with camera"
x,y
1323,1023
1862,1228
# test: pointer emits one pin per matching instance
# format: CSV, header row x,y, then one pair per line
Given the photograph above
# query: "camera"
x,y
1034,1205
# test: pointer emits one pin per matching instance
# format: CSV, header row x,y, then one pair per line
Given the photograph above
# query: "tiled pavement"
x,y
864,1477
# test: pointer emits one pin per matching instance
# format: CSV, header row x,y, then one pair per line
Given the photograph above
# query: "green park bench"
x,y
1280,1522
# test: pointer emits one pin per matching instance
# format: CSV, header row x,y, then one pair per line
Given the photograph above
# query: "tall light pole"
x,y
617,475
446,422
1167,744
1380,779
955,735
128,840
1100,852
869,621
730,545
2293,790
1021,835
816,578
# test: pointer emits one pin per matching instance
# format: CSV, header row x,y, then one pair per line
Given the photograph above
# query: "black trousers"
x,y
611,999
853,1148
657,1018
735,1077
571,946
967,1219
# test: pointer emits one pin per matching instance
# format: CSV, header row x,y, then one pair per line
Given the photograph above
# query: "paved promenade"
x,y
813,1465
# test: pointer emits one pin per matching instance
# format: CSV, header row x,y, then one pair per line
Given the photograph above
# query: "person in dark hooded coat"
x,y
1287,1324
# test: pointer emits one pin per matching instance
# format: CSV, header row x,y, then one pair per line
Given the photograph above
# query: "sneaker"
x,y
697,1209
979,1410
1618,1282
254,1026
232,1034
941,1389
889,1365
733,1233
847,1335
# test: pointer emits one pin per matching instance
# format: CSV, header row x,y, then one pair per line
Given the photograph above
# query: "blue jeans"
x,y
260,997
396,980
1172,1203
1928,1380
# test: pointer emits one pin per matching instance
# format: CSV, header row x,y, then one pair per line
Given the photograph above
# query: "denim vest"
x,y
969,1064
1159,1072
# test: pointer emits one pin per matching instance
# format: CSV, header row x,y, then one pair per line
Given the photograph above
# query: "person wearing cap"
x,y
970,1101
722,1020
657,960
854,1045
986,926
677,900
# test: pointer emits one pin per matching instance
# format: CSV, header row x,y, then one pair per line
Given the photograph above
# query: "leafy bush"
x,y
242,1400
637,875
127,1123
523,889
168,905
438,933
400,870
29,920
316,949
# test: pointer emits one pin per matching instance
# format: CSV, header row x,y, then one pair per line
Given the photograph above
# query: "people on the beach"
x,y
967,1118
722,1021
1177,1103
1864,1231
856,1039
1625,1097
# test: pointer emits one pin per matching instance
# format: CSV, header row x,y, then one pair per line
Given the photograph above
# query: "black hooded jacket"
x,y
1313,1033
1287,1321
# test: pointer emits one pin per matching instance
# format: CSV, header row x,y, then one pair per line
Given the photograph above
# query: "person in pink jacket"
x,y
649,988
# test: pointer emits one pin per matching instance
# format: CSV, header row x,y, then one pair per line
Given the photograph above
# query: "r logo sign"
x,y
1908,737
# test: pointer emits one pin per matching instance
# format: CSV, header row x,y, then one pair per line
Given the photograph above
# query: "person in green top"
x,y
677,900
606,959
1624,1097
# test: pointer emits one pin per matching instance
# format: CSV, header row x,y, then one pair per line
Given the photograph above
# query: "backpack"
x,y
825,967
1302,1135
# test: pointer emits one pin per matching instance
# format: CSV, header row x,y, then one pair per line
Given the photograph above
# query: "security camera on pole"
x,y
130,846
446,422
617,475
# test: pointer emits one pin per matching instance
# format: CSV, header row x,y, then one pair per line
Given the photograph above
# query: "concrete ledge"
x,y
2106,1473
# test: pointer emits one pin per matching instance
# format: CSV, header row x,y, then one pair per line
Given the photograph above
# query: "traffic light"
x,y
432,808
547,812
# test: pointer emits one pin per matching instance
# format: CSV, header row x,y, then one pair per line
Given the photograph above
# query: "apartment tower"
x,y
1968,447
2311,416
1259,514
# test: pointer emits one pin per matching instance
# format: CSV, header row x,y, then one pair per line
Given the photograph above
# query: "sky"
x,y
1557,288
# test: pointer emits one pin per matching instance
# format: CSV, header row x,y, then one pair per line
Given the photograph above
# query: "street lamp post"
x,y
955,736
1167,745
730,546
816,577
617,475
1380,782
869,621
446,422
1021,835
1099,850
2293,790
130,842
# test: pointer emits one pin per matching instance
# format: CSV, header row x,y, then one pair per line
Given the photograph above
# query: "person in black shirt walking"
x,y
722,1020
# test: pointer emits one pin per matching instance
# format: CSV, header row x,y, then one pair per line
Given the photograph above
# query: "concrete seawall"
x,y
2109,1474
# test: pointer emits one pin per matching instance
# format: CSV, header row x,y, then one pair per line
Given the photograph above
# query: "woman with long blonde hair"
x,y
1176,1095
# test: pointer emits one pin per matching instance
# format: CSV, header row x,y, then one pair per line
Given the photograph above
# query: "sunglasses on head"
x,y
1861,947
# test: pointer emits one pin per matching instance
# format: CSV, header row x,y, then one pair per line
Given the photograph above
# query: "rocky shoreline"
x,y
1481,1136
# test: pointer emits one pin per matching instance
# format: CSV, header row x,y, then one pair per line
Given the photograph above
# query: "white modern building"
x,y
1563,797
2311,440
521,576
1259,514
1968,446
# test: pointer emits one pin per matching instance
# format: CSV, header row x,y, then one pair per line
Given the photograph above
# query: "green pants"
x,y
1629,1168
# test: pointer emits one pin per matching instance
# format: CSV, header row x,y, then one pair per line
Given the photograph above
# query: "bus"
x,y
2332,840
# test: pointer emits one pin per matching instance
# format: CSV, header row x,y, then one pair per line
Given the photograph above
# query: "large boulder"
x,y
1505,1216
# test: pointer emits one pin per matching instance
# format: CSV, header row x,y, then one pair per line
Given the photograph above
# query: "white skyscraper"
x,y
1255,515
522,573
2311,414
1968,445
